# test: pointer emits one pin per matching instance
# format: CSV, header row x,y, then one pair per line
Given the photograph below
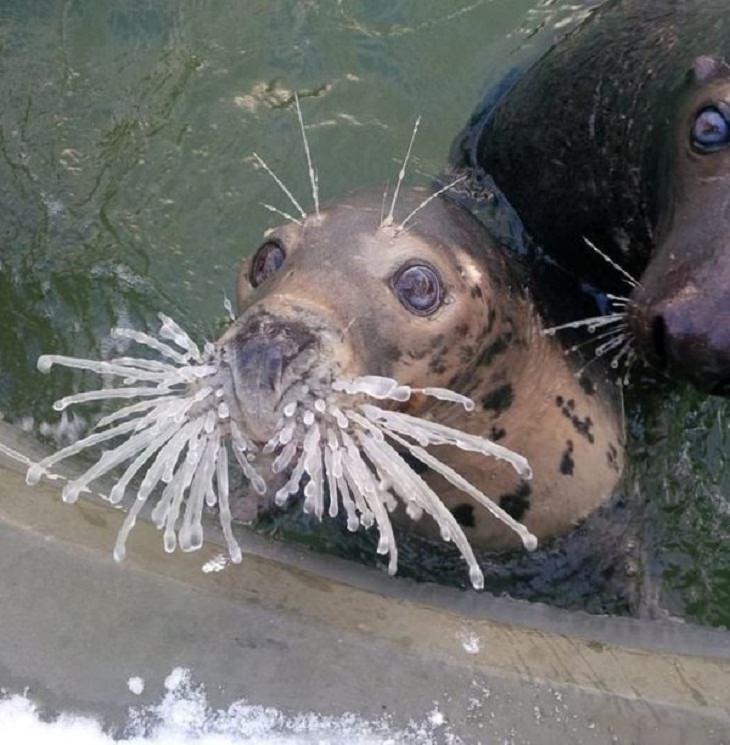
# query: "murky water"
x,y
127,187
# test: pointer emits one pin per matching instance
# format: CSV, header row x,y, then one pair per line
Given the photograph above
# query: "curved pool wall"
x,y
303,632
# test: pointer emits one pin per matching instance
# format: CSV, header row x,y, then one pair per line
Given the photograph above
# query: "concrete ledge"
x,y
296,630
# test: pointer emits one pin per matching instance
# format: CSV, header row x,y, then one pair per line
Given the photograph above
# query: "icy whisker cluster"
x,y
352,456
174,432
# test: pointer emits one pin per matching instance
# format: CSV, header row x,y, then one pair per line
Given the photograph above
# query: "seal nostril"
x,y
659,339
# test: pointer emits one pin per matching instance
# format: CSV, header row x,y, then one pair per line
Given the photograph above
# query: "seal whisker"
x,y
401,175
382,206
593,323
313,177
281,213
280,184
627,277
178,436
429,199
593,339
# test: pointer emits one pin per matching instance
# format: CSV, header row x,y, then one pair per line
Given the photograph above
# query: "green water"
x,y
127,187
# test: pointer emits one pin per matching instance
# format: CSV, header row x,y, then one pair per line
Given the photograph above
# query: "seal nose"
x,y
685,339
261,361
264,347
267,354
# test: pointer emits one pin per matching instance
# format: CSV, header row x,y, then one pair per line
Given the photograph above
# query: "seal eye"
x,y
418,287
711,129
268,259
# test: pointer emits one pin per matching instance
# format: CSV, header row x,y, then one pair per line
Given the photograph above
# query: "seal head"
x,y
439,304
681,315
622,130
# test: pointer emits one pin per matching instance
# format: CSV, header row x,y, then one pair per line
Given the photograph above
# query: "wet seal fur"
x,y
597,140
330,311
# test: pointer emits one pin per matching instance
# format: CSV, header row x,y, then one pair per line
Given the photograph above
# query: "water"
x,y
127,186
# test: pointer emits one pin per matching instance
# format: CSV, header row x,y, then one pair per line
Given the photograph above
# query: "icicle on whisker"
x,y
529,541
435,433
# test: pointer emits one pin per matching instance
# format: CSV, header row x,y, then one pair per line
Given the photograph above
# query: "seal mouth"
x,y
333,439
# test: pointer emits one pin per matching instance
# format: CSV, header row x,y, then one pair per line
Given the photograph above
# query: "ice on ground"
x,y
184,716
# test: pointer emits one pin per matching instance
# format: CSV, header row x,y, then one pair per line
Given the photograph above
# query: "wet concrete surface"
x,y
302,632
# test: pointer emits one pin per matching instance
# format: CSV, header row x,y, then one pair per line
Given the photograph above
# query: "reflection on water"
x,y
127,186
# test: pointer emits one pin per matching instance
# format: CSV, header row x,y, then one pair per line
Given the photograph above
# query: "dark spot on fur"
x,y
497,433
612,457
437,365
517,502
476,291
567,464
500,399
462,329
582,426
496,348
559,401
588,386
464,514
491,320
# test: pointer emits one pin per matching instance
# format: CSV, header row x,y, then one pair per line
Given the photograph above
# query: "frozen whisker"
x,y
428,201
170,330
313,177
388,388
172,434
619,300
627,277
621,328
280,184
351,459
591,324
401,175
150,341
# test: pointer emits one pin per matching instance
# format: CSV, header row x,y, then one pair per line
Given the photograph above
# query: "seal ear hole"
x,y
266,261
419,288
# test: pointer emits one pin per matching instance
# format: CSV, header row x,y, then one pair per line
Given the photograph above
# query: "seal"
x,y
623,130
439,303
360,341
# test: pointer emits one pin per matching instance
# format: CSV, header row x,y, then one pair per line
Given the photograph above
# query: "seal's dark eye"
x,y
419,289
711,129
266,261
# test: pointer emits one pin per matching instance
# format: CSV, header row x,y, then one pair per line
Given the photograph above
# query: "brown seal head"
x,y
622,129
437,304
682,307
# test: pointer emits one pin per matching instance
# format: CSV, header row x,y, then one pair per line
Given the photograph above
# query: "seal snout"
x,y
268,356
687,337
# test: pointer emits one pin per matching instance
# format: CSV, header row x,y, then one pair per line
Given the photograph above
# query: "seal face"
x,y
623,129
342,295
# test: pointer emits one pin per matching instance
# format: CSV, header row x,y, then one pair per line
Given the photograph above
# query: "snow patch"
x,y
184,717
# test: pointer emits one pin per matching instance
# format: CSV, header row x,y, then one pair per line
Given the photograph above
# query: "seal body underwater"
x,y
343,294
622,130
